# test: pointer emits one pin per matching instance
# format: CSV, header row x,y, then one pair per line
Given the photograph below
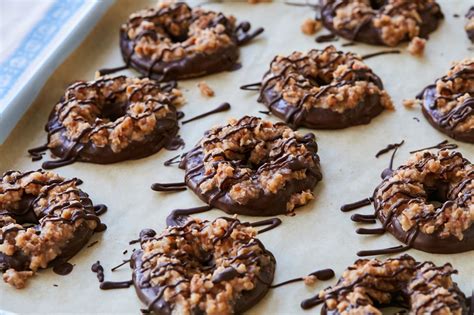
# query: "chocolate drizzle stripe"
x,y
403,276
221,108
73,148
380,53
442,145
390,250
251,86
199,63
356,205
109,285
179,217
169,187
272,223
303,111
389,148
324,274
326,38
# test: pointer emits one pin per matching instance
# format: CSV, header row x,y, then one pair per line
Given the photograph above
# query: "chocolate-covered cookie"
x,y
323,89
367,286
449,103
425,203
254,167
428,201
111,119
174,41
44,220
381,22
202,267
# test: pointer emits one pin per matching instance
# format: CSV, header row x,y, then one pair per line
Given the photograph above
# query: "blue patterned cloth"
x,y
23,73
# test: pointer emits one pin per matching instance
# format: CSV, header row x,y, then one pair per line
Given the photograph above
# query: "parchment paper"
x,y
319,236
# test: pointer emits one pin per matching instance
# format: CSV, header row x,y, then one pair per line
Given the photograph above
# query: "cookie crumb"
x,y
411,103
310,280
311,26
205,89
416,47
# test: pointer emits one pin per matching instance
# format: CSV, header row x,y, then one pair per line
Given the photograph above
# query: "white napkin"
x,y
35,37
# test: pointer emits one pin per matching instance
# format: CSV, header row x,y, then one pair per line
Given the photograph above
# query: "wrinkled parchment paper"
x,y
319,236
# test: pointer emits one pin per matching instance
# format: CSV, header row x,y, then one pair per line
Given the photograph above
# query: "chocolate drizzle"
x,y
251,86
123,263
179,217
324,274
71,148
266,204
221,108
169,187
389,148
440,146
36,210
92,244
414,237
38,152
365,31
304,110
326,38
173,160
108,285
193,63
253,252
99,270
356,205
272,223
63,268
112,285
381,53
108,71
446,108
403,282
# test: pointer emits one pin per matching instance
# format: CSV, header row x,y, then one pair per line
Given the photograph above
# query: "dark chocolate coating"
x,y
316,117
368,33
322,118
82,148
415,238
465,307
399,292
430,243
443,122
196,65
165,131
25,215
148,294
266,204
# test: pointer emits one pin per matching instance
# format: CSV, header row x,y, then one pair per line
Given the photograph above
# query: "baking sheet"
x,y
319,236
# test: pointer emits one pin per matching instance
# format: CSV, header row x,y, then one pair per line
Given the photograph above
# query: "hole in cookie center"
x,y
207,262
437,194
178,37
113,111
23,212
319,80
377,4
247,158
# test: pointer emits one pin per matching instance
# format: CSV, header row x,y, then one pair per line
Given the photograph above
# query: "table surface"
x,y
318,236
